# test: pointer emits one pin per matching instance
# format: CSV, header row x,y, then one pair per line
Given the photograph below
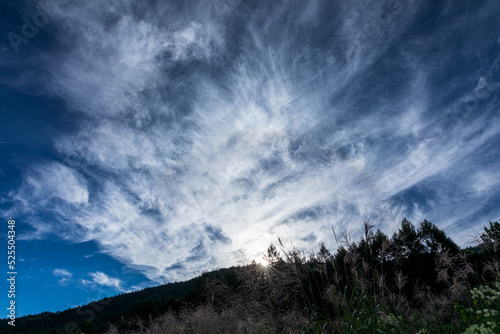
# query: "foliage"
x,y
417,281
483,315
491,235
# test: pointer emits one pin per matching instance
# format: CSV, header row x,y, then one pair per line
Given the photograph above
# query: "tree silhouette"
x,y
491,235
435,240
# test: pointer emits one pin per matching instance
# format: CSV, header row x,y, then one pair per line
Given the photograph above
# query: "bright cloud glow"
x,y
200,130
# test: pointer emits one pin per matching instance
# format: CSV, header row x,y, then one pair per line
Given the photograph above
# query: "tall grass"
x,y
365,287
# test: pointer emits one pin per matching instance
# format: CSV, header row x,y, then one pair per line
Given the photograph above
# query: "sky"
x,y
144,142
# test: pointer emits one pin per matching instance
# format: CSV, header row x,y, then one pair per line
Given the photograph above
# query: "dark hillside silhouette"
x,y
417,279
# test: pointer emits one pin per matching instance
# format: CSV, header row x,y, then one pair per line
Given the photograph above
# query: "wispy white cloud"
x,y
65,276
202,134
62,273
54,187
103,279
100,279
54,181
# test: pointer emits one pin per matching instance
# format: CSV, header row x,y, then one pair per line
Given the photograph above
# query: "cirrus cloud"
x,y
201,132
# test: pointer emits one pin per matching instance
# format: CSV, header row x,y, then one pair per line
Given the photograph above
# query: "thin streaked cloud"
x,y
202,129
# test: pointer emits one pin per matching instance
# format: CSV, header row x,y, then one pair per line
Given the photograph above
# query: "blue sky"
x,y
144,142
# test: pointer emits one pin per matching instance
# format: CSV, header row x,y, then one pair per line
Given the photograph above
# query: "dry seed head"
x,y
385,245
444,260
401,280
493,267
